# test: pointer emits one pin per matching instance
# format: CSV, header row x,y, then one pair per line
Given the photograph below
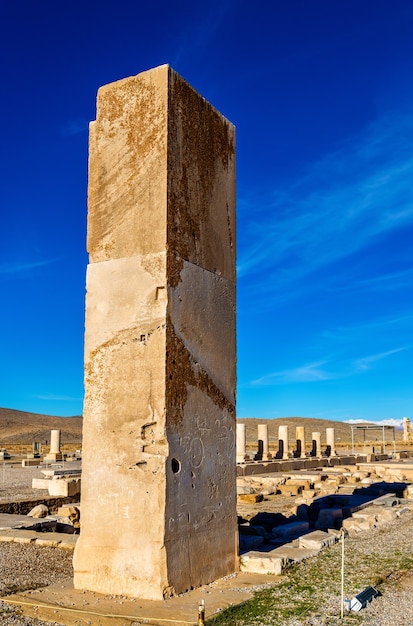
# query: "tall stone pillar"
x,y
316,449
407,436
330,442
300,440
54,453
159,471
283,442
241,450
263,453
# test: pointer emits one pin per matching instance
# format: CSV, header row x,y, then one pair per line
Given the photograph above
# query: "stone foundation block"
x,y
317,540
261,563
291,529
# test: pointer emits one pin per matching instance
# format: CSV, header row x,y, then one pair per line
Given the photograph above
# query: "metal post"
x,y
201,613
342,573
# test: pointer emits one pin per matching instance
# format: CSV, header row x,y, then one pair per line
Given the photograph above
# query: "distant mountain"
x,y
22,427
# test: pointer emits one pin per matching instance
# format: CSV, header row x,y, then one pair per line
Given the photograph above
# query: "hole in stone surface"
x,y
192,475
176,466
193,486
143,337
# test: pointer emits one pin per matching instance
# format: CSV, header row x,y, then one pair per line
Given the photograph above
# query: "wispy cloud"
x,y
371,330
52,397
311,372
366,362
328,369
10,269
74,127
345,200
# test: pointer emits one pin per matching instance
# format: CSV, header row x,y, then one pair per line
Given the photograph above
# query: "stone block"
x,y
64,487
249,542
290,490
385,515
243,490
329,518
408,493
304,484
261,563
40,483
402,511
351,526
317,540
38,511
290,553
70,511
291,529
250,498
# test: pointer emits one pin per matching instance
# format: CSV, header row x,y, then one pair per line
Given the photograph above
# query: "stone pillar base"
x,y
53,456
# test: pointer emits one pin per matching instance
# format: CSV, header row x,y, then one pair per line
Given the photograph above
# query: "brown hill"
x,y
22,427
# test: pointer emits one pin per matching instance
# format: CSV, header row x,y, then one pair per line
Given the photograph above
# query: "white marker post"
x,y
342,573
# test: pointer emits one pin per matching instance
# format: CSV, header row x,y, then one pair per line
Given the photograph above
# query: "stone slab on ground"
x,y
71,607
8,521
291,553
295,528
262,563
47,539
317,540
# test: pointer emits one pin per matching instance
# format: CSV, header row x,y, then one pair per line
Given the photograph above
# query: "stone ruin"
x,y
284,451
160,352
407,431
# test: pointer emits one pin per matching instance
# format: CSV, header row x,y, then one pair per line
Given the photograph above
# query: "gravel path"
x,y
26,566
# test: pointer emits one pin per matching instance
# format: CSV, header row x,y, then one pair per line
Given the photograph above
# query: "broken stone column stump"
x,y
160,353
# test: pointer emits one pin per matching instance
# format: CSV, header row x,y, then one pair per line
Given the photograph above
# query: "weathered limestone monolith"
x,y
159,472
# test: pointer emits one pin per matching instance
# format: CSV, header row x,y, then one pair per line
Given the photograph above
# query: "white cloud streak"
x,y
345,200
53,398
10,269
328,369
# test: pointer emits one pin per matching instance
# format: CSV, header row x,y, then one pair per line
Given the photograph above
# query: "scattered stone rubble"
x,y
325,503
59,482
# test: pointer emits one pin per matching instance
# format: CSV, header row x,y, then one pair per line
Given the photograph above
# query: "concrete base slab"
x,y
65,605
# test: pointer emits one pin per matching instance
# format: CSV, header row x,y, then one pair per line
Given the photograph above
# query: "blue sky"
x,y
321,93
